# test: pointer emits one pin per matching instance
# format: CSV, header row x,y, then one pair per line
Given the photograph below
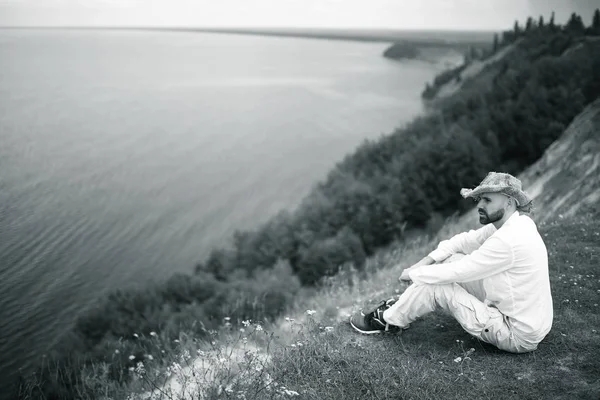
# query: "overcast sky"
x,y
394,14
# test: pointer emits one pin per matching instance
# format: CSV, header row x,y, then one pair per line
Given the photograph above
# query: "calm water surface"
x,y
125,156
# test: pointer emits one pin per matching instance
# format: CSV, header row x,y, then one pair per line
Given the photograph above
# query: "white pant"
x,y
464,302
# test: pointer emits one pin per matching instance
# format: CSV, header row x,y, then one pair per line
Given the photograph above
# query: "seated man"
x,y
498,291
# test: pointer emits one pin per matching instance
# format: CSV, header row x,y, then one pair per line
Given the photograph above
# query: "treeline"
x,y
388,187
532,28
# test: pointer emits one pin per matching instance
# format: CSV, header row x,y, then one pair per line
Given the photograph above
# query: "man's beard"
x,y
485,218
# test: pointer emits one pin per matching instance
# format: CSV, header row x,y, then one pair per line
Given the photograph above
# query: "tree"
x,y
517,29
551,23
596,22
529,25
575,24
541,22
495,42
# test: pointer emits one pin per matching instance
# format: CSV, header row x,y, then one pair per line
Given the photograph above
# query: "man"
x,y
494,280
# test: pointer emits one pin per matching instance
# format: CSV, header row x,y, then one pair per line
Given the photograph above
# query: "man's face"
x,y
491,207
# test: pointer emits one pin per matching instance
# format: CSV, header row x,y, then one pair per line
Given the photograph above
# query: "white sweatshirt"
x,y
512,262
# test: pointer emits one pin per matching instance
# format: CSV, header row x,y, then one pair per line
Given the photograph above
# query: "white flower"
x,y
259,328
242,330
291,392
329,329
132,357
176,340
153,333
149,357
222,360
117,351
140,368
458,359
200,352
246,323
136,335
310,312
227,319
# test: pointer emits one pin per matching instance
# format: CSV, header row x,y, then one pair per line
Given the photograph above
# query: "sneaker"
x,y
372,321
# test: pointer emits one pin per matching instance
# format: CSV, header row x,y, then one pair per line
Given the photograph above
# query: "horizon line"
x,y
338,33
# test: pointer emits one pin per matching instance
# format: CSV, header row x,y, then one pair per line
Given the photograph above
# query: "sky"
x,y
379,14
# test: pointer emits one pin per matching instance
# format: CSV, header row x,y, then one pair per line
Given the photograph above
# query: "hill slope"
x,y
567,178
318,356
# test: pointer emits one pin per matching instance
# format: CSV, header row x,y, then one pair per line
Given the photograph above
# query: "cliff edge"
x,y
567,177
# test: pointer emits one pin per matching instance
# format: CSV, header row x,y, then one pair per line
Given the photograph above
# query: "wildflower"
x,y
242,330
227,319
153,333
139,369
288,319
222,360
117,351
246,323
290,393
293,345
244,340
329,329
259,328
132,357
310,312
149,357
136,335
458,359
200,352
176,340
131,369
299,344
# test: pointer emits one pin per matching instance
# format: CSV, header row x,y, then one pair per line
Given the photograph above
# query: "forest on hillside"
x,y
400,183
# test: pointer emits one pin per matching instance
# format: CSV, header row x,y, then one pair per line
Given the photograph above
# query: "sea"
x,y
126,156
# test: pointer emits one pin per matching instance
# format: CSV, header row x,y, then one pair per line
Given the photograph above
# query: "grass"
x,y
314,354
436,359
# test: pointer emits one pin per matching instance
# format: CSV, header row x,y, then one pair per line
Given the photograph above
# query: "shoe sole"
x,y
364,332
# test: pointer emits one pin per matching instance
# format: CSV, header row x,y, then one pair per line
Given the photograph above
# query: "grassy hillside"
x,y
435,359
318,356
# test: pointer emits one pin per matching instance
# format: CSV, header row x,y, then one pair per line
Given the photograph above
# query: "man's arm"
x,y
424,261
465,243
493,257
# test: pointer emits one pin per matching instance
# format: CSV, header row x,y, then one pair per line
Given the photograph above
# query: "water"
x,y
125,156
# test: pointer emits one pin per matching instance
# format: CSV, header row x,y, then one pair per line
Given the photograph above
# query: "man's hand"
x,y
425,261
